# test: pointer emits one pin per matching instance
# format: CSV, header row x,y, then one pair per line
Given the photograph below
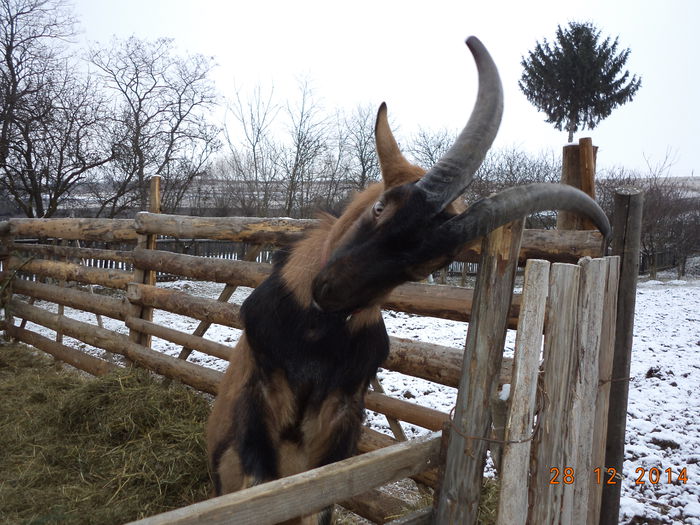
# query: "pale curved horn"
x,y
451,175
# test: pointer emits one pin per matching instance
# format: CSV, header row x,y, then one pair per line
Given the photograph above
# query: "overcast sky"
x,y
411,54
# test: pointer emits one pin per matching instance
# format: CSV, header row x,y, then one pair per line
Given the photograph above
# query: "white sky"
x,y
411,54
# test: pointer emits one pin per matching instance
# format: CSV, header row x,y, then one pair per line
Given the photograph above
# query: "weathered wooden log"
x,y
578,170
65,271
239,229
309,491
73,298
514,471
438,363
372,440
74,252
460,491
560,245
183,303
402,410
104,230
199,377
234,272
445,302
80,360
546,499
181,338
375,506
552,245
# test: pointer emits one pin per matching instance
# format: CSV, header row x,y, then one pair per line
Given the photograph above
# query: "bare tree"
x,y
248,176
300,159
358,134
428,146
160,120
31,33
671,215
52,117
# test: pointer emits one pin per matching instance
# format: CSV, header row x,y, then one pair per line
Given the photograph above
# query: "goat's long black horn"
x,y
515,203
451,175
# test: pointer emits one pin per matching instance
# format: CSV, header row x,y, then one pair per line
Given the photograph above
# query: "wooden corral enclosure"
x,y
548,440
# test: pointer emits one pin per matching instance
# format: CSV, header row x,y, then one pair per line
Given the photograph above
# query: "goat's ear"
x,y
396,170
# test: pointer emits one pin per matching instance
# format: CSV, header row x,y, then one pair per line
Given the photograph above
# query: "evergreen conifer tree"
x,y
577,80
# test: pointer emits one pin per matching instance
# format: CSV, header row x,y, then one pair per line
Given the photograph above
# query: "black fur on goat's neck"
x,y
319,352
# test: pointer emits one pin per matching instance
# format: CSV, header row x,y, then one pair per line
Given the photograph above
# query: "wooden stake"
x,y
627,228
466,451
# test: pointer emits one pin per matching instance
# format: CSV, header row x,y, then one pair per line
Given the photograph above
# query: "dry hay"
x,y
79,450
84,450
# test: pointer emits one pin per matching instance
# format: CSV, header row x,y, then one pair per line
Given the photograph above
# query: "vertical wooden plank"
x,y
582,413
528,343
627,228
546,498
605,362
466,451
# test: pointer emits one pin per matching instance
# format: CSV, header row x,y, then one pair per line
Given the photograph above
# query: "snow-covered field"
x,y
663,426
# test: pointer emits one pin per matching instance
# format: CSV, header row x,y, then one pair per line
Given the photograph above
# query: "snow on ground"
x,y
663,426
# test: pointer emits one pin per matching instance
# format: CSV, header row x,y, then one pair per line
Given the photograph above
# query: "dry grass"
x,y
81,450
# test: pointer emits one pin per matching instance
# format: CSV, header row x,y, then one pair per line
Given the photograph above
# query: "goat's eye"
x,y
377,209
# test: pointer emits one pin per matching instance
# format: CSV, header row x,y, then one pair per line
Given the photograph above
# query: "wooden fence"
x,y
570,304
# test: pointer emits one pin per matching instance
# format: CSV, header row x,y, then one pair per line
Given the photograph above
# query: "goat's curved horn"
x,y
515,203
450,176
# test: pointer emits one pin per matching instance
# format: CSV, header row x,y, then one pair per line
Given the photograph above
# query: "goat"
x,y
293,395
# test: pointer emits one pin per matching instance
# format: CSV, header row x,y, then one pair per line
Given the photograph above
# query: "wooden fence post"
x,y
466,450
148,276
6,277
627,228
578,170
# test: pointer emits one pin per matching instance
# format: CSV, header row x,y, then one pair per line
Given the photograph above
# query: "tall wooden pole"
x,y
467,444
627,227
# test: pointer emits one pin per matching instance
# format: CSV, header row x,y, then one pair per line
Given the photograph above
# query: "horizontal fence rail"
x,y
553,245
